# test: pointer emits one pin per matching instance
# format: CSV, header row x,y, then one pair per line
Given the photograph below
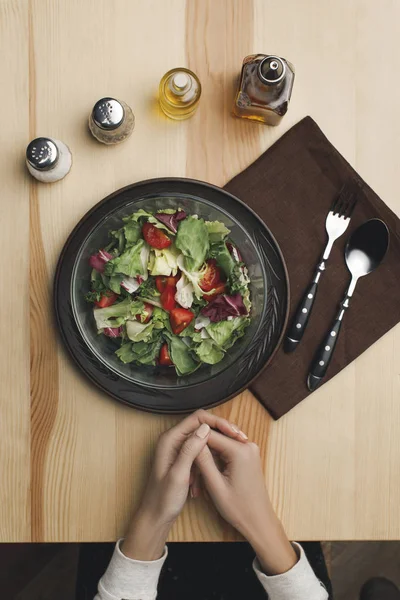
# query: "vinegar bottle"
x,y
265,88
179,93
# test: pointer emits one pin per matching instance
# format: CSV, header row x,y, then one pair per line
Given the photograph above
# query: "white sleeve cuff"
x,y
130,579
300,582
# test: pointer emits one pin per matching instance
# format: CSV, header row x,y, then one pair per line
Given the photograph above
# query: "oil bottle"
x,y
179,93
265,88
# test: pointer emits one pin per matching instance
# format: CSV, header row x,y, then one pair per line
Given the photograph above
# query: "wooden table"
x,y
73,461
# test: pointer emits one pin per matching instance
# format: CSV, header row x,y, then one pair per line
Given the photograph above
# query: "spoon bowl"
x,y
367,247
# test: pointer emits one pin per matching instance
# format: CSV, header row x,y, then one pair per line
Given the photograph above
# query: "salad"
x,y
172,289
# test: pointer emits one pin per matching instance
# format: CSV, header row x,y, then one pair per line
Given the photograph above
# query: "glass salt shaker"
x,y
111,121
48,160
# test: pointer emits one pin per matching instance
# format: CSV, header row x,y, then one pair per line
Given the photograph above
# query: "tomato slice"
x,y
164,357
180,319
219,289
162,282
168,298
211,277
155,237
145,316
106,299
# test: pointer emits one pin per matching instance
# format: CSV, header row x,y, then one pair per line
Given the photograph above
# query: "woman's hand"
x,y
239,493
169,481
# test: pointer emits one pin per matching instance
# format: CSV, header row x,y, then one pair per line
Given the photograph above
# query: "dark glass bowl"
x,y
159,389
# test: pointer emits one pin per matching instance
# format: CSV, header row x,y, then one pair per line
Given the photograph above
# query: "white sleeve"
x,y
128,578
299,583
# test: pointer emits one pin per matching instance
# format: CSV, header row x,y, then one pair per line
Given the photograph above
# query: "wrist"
x,y
146,537
273,548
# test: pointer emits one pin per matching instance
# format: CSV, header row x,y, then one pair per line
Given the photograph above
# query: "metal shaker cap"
x,y
271,70
42,154
108,113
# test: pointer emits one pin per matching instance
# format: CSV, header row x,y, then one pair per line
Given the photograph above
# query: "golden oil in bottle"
x,y
179,93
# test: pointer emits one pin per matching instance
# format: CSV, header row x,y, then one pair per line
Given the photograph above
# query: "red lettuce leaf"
x,y
97,261
224,306
171,221
112,332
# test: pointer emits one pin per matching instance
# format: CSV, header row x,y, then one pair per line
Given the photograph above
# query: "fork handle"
x,y
301,317
325,351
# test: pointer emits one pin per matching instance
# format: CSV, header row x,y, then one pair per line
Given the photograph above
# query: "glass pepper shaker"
x,y
48,160
111,121
265,88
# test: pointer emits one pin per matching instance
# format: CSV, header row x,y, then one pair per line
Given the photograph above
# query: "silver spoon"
x,y
364,252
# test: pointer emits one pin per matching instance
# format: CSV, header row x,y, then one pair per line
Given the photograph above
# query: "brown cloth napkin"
x,y
291,186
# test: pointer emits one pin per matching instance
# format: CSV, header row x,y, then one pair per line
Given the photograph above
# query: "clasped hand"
x,y
230,466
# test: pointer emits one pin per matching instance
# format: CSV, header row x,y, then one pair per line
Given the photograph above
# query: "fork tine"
x,y
352,207
345,203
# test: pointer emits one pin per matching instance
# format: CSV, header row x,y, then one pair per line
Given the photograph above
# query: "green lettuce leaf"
x,y
216,231
125,353
160,319
238,279
147,217
119,239
142,353
164,262
139,332
180,355
97,286
225,333
117,314
208,352
132,262
192,276
115,283
184,292
192,240
132,231
223,257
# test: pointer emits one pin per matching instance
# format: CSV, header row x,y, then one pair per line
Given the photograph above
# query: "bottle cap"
x,y
108,113
181,83
42,154
271,70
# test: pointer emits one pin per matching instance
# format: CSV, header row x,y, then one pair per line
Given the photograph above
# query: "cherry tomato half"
x,y
106,299
219,289
145,316
168,298
180,319
211,277
164,357
162,282
155,237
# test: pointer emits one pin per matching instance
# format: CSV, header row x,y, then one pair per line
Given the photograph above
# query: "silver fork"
x,y
336,223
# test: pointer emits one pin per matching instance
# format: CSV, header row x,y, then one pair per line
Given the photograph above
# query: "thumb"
x,y
211,474
190,449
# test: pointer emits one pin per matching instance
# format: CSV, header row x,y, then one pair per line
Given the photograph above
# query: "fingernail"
x,y
235,428
243,435
203,430
191,492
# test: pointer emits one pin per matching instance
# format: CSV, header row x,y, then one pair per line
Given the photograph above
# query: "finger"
x,y
192,475
205,462
190,450
193,421
223,445
195,490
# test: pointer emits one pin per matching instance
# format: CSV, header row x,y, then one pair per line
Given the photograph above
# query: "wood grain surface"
x,y
73,461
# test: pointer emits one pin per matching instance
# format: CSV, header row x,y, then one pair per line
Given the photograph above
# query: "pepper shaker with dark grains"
x,y
111,121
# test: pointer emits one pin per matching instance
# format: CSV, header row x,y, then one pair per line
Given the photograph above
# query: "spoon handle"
x,y
324,353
